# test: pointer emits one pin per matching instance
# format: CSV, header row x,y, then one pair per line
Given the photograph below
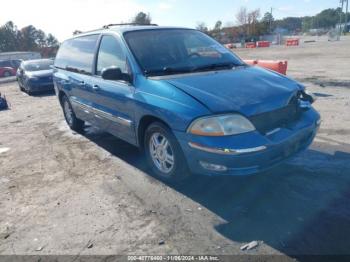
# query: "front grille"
x,y
281,117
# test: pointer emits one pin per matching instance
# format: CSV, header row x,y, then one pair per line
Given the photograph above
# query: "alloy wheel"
x,y
68,112
161,153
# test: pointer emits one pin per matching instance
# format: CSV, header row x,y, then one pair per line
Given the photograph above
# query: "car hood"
x,y
42,73
248,90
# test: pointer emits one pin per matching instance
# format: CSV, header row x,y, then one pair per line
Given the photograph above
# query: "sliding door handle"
x,y
96,87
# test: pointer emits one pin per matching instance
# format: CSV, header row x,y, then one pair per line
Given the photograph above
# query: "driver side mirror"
x,y
114,73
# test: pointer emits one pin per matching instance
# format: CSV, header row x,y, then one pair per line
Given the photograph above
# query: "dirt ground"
x,y
67,193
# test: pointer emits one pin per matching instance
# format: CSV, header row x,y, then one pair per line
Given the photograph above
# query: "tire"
x,y
28,91
20,86
165,157
73,122
7,74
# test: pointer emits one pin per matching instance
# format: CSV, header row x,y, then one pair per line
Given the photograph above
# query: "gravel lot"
x,y
66,193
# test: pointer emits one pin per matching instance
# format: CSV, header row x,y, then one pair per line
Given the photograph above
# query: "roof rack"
x,y
134,24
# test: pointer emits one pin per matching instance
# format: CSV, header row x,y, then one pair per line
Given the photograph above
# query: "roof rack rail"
x,y
134,24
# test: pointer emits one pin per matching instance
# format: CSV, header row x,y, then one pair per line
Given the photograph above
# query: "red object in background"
x,y
277,66
230,46
7,71
292,42
251,62
263,44
250,45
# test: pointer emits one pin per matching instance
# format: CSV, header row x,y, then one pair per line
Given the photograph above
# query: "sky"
x,y
62,17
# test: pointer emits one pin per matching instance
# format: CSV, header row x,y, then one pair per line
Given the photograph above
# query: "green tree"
x,y
267,23
201,26
40,38
218,25
28,38
142,19
292,24
9,37
327,18
51,41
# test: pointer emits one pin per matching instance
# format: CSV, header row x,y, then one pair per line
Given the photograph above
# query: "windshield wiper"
x,y
181,70
215,66
167,71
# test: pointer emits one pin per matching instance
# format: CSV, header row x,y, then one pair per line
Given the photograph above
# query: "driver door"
x,y
113,100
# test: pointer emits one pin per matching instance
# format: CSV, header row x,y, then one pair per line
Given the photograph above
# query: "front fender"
x,y
161,100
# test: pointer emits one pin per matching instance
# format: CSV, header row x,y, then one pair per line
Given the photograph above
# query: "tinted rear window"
x,y
77,54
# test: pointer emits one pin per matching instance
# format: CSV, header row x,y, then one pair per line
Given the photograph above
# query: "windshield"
x,y
171,51
38,65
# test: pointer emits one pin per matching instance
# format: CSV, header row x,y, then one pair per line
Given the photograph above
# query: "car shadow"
x,y
44,94
298,208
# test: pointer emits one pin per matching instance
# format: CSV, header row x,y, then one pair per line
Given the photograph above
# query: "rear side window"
x,y
110,54
77,54
5,64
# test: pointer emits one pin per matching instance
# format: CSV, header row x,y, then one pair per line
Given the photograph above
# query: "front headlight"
x,y
223,125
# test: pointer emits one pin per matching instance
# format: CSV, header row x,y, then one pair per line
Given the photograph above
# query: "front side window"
x,y
77,54
110,54
5,64
171,51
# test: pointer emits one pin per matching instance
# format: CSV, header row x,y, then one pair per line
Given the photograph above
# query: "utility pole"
x,y
346,16
341,17
271,18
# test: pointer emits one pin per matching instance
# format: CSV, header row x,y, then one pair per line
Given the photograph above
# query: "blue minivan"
x,y
191,104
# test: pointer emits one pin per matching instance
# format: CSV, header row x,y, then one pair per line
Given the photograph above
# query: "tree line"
x,y
28,38
250,24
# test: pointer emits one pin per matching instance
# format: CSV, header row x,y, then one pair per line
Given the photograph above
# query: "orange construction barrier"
x,y
230,46
250,45
292,42
251,62
277,66
263,44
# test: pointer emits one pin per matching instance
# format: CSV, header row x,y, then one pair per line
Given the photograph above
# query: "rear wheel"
x,y
7,74
164,154
73,122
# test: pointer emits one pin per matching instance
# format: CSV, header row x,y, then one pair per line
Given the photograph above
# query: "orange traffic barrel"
x,y
278,66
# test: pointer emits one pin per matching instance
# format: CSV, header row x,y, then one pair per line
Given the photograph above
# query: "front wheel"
x,y
73,122
20,87
164,154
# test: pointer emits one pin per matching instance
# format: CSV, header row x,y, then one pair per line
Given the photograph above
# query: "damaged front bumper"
x,y
248,153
